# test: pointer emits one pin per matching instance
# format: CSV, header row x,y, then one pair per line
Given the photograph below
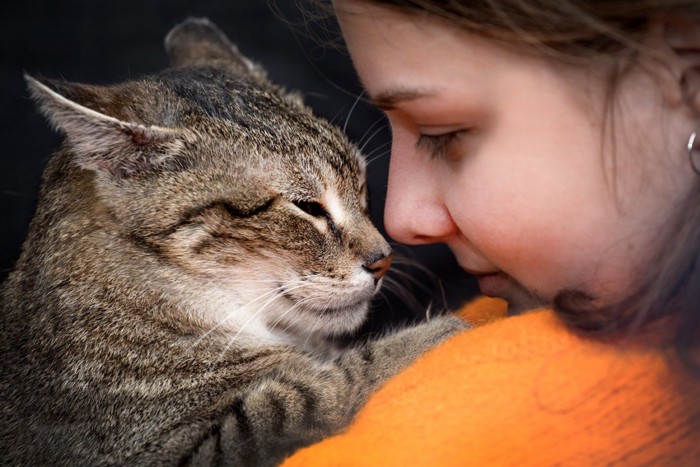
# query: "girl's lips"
x,y
492,284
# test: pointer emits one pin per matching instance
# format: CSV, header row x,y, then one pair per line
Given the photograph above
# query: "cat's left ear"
x,y
197,41
99,141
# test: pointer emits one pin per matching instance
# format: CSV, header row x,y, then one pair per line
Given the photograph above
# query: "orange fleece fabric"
x,y
524,391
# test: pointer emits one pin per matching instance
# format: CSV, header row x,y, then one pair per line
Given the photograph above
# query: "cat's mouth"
x,y
327,308
354,308
326,317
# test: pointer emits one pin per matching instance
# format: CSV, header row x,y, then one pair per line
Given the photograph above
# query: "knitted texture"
x,y
524,391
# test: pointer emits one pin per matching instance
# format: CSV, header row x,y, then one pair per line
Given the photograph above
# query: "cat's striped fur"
x,y
199,236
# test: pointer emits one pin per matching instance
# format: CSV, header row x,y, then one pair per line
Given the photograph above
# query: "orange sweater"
x,y
524,391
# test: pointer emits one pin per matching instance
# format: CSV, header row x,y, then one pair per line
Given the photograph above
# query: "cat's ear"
x,y
197,41
101,142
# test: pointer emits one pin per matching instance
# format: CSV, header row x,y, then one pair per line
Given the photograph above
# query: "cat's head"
x,y
258,207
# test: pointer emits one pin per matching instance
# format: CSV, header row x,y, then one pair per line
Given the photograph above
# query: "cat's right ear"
x,y
197,41
101,142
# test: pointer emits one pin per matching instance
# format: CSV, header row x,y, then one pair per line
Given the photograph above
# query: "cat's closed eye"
x,y
312,208
236,212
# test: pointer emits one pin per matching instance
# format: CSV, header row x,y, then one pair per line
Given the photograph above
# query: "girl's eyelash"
x,y
436,145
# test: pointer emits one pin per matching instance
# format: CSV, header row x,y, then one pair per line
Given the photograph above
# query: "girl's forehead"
x,y
380,38
401,59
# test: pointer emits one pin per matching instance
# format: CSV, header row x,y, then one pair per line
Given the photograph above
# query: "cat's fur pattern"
x,y
196,232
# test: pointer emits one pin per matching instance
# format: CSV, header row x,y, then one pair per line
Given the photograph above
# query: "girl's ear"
x,y
676,39
683,37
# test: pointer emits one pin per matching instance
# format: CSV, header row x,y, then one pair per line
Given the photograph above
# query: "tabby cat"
x,y
199,237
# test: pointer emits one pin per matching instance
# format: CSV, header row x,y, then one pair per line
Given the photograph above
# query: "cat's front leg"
x,y
308,399
383,358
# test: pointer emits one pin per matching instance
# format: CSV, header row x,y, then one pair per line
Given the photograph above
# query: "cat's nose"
x,y
379,265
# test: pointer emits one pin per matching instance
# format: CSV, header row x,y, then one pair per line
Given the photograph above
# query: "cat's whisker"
x,y
371,137
262,308
354,104
371,128
382,152
231,316
315,295
280,319
337,114
379,151
410,278
401,259
297,304
403,293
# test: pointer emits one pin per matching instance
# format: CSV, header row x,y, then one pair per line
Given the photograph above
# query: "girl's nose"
x,y
415,212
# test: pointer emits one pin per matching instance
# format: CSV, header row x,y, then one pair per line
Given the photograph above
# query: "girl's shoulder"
x,y
524,390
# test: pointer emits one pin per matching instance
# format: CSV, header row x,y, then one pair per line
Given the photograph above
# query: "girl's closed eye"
x,y
438,145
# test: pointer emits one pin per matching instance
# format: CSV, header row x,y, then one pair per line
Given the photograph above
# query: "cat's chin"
x,y
327,321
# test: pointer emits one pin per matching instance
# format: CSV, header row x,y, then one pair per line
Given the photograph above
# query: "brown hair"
x,y
583,30
569,27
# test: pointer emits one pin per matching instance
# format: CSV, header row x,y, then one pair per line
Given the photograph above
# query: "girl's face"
x,y
509,160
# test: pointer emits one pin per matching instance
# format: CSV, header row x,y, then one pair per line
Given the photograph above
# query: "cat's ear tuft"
x,y
198,41
99,141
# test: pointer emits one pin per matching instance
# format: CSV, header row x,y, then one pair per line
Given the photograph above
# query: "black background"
x,y
107,41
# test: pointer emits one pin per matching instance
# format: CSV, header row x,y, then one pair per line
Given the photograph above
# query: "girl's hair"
x,y
581,31
570,28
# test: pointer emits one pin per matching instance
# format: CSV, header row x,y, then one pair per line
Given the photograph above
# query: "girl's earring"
x,y
691,147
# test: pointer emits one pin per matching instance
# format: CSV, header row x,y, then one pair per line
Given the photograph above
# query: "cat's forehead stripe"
x,y
333,205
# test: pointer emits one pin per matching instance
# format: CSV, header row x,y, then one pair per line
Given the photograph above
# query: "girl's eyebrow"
x,y
387,100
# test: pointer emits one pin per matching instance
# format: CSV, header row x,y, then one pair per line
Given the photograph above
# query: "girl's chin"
x,y
494,285
516,307
503,286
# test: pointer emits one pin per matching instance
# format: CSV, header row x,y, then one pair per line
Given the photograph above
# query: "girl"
x,y
551,144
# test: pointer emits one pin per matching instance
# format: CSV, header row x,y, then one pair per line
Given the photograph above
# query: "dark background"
x,y
107,41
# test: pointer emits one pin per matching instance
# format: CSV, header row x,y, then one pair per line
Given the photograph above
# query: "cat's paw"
x,y
424,336
392,353
443,327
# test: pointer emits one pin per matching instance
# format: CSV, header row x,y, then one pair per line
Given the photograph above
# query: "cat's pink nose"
x,y
379,267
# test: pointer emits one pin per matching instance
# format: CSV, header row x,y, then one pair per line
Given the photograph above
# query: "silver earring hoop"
x,y
691,146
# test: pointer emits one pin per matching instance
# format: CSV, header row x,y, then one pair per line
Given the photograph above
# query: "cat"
x,y
199,238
